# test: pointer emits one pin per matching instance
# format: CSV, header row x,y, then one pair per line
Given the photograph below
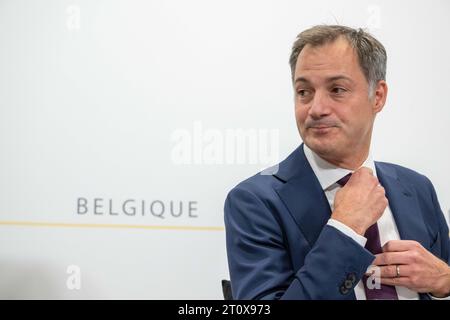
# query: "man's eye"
x,y
338,90
302,92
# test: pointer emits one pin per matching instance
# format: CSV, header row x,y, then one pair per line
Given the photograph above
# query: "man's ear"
x,y
379,96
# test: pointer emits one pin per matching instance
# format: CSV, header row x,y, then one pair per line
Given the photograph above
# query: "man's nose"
x,y
320,105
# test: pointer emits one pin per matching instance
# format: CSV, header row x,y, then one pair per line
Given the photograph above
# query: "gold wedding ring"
x,y
397,269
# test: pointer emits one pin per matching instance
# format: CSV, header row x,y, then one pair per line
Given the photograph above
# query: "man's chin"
x,y
322,147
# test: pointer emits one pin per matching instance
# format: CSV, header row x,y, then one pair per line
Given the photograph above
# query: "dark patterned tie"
x,y
373,244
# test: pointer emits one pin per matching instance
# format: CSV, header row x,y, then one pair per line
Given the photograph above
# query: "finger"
x,y
406,282
400,245
400,281
366,169
391,271
387,258
379,189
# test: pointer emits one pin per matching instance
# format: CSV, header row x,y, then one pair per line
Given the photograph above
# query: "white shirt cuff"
x,y
347,231
436,298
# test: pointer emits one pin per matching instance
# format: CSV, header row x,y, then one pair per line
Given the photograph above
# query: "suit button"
x,y
348,284
343,290
351,277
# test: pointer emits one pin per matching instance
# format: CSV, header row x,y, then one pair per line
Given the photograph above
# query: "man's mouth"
x,y
321,129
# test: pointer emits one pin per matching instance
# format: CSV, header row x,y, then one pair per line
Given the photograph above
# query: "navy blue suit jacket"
x,y
279,245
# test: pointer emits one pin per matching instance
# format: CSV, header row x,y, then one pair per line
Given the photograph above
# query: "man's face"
x,y
332,107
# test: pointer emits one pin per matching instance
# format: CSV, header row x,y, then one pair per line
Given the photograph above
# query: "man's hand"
x,y
361,202
419,269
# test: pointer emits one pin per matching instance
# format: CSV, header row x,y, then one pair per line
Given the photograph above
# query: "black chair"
x,y
226,289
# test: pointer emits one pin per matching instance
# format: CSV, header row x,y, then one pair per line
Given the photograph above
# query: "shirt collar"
x,y
327,173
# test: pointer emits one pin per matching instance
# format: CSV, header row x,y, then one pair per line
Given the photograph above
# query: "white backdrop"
x,y
108,107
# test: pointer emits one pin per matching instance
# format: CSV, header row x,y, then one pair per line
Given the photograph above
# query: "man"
x,y
331,223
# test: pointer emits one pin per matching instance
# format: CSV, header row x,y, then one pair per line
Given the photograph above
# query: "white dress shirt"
x,y
328,175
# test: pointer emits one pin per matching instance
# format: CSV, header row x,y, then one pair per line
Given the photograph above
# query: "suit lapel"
x,y
404,205
405,208
303,195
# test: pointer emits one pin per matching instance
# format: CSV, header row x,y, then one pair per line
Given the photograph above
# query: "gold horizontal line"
x,y
110,226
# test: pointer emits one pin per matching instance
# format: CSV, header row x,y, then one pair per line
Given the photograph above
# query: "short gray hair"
x,y
371,53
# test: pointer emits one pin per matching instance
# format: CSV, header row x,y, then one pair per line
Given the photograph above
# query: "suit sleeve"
x,y
260,263
443,227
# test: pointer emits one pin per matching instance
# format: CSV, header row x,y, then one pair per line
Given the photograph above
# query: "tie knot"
x,y
344,180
